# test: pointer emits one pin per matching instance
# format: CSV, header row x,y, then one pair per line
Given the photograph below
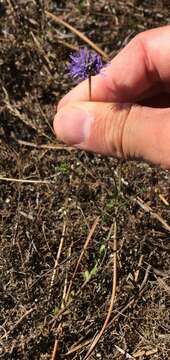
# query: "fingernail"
x,y
72,125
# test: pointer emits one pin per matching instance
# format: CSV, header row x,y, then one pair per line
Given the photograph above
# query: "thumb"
x,y
121,130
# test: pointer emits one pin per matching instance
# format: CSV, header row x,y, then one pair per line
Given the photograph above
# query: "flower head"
x,y
84,64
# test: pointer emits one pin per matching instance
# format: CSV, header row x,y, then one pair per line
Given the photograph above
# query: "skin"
x,y
129,115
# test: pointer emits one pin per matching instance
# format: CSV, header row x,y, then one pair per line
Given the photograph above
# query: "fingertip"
x,y
66,99
92,126
72,124
78,93
61,103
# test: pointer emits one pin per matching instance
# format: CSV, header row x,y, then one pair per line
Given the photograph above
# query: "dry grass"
x,y
52,197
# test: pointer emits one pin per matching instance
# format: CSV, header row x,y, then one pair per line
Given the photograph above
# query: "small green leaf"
x,y
86,275
94,270
55,310
102,249
110,204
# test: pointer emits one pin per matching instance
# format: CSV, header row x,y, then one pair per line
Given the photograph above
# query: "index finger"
x,y
142,64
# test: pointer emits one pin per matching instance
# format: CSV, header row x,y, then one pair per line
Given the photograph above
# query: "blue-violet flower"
x,y
84,64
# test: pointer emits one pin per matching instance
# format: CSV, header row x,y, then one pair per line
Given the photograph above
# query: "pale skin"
x,y
129,115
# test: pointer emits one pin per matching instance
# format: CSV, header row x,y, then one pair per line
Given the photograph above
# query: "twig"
x,y
97,338
78,33
24,180
55,350
81,255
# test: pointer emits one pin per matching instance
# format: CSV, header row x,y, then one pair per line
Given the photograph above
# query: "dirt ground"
x,y
74,220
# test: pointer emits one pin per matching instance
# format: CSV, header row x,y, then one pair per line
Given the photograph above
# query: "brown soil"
x,y
44,226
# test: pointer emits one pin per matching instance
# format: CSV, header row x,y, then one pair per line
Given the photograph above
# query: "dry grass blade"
x,y
68,45
97,338
48,183
15,112
139,266
57,260
163,285
59,329
48,65
147,208
127,355
46,146
78,33
81,255
28,312
66,300
75,348
145,277
45,119
165,201
2,178
142,353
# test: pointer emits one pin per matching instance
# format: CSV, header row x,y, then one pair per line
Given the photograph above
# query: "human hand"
x,y
129,115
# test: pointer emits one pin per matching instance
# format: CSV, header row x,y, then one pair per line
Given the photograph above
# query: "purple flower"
x,y
84,64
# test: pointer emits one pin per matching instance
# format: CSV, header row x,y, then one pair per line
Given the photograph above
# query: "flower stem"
x,y
90,97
